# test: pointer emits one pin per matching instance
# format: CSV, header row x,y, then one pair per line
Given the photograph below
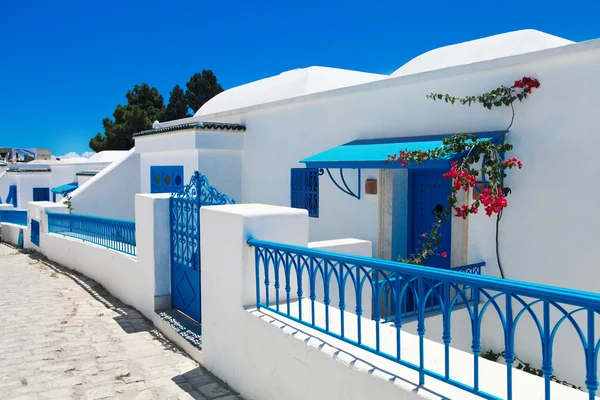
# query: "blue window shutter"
x,y
305,190
166,179
41,194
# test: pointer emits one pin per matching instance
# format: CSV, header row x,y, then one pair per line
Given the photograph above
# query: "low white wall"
x,y
11,232
111,193
268,359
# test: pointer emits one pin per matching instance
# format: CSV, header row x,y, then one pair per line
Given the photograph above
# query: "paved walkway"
x,y
62,336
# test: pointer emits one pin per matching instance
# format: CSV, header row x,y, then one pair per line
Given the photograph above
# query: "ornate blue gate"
x,y
185,242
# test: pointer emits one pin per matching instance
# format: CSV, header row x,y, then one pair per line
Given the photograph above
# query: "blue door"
x,y
185,243
429,197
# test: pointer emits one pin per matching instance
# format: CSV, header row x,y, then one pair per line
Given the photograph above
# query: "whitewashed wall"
x,y
269,357
26,181
218,155
6,179
111,193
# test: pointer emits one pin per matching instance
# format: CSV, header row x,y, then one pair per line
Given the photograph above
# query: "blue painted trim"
x,y
67,188
381,164
17,217
495,135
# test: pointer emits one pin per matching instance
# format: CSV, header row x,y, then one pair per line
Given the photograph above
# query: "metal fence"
x,y
17,217
299,271
114,234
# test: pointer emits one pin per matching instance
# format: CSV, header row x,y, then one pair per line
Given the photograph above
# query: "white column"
x,y
228,277
153,246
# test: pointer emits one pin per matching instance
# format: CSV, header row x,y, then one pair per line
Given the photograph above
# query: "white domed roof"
x,y
294,83
108,156
489,48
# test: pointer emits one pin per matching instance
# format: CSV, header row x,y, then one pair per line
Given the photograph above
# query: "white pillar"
x,y
228,277
153,246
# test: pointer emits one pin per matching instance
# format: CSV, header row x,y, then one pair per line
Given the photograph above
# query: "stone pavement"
x,y
63,336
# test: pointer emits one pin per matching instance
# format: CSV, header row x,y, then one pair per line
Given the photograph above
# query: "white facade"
x,y
48,174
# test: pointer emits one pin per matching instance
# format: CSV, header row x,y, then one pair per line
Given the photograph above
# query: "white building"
x,y
48,180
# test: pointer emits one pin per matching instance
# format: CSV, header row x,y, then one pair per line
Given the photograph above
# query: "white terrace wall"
x,y
268,357
111,193
26,181
218,155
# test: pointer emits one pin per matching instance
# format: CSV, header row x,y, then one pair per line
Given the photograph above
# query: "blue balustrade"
x,y
114,234
17,217
289,276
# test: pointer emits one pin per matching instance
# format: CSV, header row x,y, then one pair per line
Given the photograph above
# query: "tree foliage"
x,y
145,105
177,107
201,88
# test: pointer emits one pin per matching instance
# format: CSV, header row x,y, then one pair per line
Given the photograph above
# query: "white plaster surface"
x,y
487,48
289,84
111,193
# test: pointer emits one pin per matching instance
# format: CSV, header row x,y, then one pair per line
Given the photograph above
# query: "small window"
x,y
166,179
305,190
41,194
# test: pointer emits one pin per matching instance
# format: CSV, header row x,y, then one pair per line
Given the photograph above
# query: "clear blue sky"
x,y
65,65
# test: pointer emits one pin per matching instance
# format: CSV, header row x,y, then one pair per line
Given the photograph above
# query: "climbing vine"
x,y
68,201
483,159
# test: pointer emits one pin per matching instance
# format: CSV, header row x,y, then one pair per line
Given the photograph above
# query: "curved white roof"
x,y
294,83
108,156
488,48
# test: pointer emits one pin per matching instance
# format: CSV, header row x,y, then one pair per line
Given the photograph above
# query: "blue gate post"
x,y
185,242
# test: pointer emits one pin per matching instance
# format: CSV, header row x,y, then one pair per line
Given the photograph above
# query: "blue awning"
x,y
68,188
372,153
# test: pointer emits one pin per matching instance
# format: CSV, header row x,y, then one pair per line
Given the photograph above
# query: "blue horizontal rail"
x,y
17,217
114,234
362,283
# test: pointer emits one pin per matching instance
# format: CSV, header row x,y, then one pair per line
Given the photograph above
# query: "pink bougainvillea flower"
x,y
444,254
423,235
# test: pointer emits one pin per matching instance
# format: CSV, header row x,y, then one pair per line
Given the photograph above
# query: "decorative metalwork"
x,y
17,217
362,282
185,241
114,234
35,232
346,189
304,190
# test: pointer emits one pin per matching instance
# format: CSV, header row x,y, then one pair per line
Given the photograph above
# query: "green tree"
x,y
201,88
144,106
177,107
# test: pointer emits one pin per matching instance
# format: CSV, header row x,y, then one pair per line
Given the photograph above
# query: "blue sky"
x,y
65,65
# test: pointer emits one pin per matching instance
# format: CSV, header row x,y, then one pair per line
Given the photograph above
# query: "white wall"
x,y
26,181
111,193
81,179
218,155
269,357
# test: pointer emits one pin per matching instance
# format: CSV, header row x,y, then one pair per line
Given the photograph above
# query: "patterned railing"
x,y
114,234
284,274
17,217
407,306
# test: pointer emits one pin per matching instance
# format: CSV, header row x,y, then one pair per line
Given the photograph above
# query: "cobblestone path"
x,y
62,336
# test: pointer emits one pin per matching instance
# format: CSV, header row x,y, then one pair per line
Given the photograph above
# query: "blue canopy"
x,y
372,153
68,188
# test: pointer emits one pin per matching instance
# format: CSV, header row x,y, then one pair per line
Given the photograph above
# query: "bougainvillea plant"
x,y
483,159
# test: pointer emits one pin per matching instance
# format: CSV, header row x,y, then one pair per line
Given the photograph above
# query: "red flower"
x,y
444,254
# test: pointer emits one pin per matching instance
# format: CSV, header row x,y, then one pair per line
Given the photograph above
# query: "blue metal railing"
x,y
298,269
114,234
408,305
17,217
